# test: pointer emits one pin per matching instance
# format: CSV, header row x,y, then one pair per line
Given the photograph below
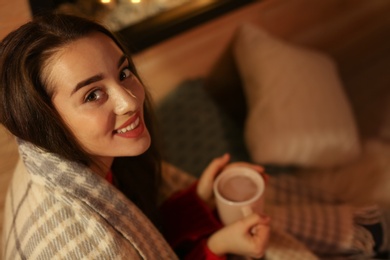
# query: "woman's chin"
x,y
141,146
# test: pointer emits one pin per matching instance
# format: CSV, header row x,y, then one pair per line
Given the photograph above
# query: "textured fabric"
x,y
298,113
319,220
174,180
56,209
201,251
195,130
180,209
109,177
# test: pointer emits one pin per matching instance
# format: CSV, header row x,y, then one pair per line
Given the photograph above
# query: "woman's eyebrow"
x,y
95,78
122,59
86,82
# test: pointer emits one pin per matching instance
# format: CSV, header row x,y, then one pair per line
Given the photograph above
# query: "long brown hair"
x,y
26,108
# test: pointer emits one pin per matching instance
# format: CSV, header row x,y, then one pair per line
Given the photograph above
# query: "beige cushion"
x,y
298,113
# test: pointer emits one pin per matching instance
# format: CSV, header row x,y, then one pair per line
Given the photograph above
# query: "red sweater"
x,y
188,222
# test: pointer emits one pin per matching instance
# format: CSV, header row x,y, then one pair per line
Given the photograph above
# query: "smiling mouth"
x,y
130,127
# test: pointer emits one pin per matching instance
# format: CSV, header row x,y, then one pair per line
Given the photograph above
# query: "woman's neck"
x,y
102,165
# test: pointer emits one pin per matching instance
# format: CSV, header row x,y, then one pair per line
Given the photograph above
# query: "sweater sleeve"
x,y
187,224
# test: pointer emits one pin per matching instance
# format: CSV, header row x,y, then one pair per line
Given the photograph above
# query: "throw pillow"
x,y
298,113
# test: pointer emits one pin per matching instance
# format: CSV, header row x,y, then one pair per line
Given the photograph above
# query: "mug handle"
x,y
246,211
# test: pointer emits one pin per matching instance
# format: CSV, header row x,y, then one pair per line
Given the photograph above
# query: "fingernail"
x,y
254,230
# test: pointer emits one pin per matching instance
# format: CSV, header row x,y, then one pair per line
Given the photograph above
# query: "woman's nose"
x,y
124,101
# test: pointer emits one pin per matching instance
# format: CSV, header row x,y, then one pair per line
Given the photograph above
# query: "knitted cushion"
x,y
194,130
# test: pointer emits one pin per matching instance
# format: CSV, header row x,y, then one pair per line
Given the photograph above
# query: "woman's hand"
x,y
206,181
255,167
246,237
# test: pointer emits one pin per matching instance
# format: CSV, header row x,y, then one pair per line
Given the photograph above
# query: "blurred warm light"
x,y
105,1
135,1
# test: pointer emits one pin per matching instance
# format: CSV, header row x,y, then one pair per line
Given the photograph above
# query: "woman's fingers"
x,y
263,221
250,165
205,185
255,167
259,231
216,166
256,219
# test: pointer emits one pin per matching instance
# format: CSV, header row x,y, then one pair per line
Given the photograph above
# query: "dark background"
x,y
162,26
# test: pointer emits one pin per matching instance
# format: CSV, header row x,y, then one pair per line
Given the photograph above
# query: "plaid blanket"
x,y
325,225
56,209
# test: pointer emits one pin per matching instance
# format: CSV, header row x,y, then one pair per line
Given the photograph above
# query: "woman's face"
x,y
99,98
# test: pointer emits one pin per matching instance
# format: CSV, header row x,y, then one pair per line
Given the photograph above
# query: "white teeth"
x,y
129,127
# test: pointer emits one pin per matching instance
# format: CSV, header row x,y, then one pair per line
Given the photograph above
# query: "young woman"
x,y
88,185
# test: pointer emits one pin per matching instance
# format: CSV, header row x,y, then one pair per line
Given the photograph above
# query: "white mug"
x,y
238,192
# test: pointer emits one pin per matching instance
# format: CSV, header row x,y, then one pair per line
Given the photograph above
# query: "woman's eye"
x,y
125,73
94,95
